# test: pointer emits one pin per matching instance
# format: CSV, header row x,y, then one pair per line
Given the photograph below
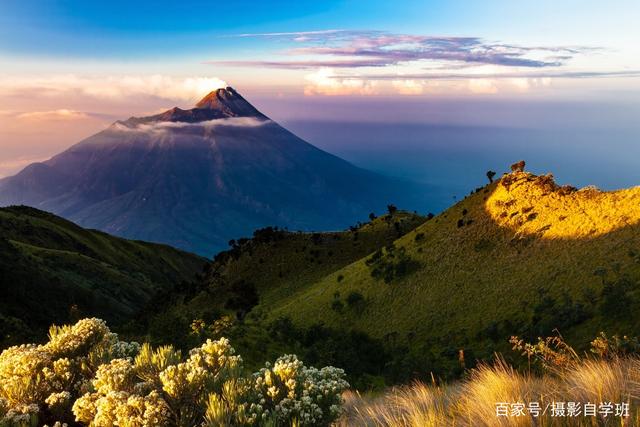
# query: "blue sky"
x,y
69,68
149,29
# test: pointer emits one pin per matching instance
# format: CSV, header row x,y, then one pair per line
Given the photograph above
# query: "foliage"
x,y
44,380
364,359
617,298
391,263
85,375
76,272
616,346
472,401
507,274
355,300
551,352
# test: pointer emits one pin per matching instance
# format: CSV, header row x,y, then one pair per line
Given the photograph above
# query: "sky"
x,y
70,68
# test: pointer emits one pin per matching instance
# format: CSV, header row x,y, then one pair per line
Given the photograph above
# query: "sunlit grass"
x,y
472,402
533,205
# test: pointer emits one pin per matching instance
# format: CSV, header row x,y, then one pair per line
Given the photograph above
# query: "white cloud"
x,y
408,87
210,124
482,86
324,82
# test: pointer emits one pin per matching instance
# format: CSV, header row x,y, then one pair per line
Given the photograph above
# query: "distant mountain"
x,y
197,178
52,271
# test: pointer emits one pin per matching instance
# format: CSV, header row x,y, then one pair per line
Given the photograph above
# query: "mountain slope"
x,y
521,256
265,269
197,178
52,271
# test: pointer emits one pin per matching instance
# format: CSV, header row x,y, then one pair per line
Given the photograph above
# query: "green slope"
x,y
52,271
259,273
521,256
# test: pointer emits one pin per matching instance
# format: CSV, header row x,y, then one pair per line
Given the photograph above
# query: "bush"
x,y
355,299
617,298
85,375
393,263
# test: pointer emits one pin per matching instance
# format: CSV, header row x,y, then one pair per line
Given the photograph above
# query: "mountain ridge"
x,y
521,256
197,178
77,272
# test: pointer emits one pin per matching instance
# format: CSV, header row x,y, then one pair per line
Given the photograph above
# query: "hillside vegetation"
x,y
473,401
85,376
260,271
522,256
405,296
54,271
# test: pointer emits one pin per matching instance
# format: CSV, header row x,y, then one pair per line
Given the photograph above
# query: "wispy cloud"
x,y
354,49
498,75
293,34
62,114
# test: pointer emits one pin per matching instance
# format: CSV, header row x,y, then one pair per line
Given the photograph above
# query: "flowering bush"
x,y
290,391
85,376
38,383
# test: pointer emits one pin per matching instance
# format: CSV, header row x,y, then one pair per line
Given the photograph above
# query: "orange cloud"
x,y
61,114
108,87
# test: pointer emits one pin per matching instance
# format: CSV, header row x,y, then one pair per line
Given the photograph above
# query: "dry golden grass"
x,y
535,205
472,402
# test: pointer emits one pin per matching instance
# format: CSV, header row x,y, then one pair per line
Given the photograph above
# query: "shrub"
x,y
289,391
85,375
355,300
393,263
617,298
40,382
614,347
337,305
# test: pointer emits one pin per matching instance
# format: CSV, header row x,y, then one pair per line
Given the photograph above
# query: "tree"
x,y
392,209
490,175
372,216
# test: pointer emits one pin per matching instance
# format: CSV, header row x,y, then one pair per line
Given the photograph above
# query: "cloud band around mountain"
x,y
209,124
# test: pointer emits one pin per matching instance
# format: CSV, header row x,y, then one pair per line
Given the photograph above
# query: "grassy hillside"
x,y
257,273
520,256
52,271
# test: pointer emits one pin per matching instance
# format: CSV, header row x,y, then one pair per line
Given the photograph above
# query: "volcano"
x,y
197,178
